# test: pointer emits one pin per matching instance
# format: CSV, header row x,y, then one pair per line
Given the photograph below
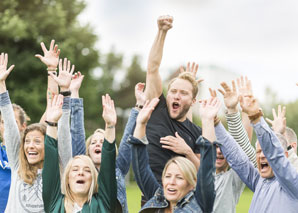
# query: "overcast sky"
x,y
256,38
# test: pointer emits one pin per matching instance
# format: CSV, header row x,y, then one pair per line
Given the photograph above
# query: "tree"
x,y
23,25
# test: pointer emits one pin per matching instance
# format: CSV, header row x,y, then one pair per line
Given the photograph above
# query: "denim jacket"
x,y
199,200
124,155
77,128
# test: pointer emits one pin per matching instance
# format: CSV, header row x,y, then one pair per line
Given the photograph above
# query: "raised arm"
x,y
51,189
235,125
64,138
77,128
140,159
245,89
50,59
12,136
124,155
205,193
107,186
283,170
153,79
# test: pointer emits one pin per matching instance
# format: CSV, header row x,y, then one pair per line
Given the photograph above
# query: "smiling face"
x,y
175,186
221,163
95,148
179,99
79,178
264,168
34,148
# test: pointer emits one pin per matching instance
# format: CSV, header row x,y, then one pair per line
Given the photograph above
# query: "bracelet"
x,y
51,69
110,127
65,93
256,116
139,106
53,124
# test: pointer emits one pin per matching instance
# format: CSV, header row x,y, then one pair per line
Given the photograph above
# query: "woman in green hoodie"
x,y
82,190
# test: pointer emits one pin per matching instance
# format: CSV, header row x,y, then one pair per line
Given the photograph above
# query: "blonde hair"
x,y
28,172
69,200
88,141
186,167
188,77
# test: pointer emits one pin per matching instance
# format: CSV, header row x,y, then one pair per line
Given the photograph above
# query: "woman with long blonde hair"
x,y
82,189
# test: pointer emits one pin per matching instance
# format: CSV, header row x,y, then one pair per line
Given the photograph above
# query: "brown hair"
x,y
23,117
188,77
28,172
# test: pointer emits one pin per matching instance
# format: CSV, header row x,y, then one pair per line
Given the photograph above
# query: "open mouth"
x,y
97,151
80,182
175,105
264,166
32,153
171,190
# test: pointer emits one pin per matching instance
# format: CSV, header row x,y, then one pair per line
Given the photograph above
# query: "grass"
x,y
134,199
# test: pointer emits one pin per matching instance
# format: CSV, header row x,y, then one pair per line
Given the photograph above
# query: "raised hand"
x,y
75,84
65,74
209,108
54,108
192,70
165,22
140,94
230,96
212,93
175,144
244,86
279,122
109,112
145,113
51,56
249,105
4,72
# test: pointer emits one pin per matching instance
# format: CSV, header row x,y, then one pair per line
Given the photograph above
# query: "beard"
x,y
183,112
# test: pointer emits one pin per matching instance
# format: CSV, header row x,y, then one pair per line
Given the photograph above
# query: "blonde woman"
x,y
82,189
183,189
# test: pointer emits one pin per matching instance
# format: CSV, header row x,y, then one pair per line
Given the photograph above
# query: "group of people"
x,y
179,167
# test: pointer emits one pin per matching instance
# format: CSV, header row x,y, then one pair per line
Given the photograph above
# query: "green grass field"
x,y
134,199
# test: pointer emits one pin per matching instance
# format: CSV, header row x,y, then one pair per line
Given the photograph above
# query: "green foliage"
x,y
23,25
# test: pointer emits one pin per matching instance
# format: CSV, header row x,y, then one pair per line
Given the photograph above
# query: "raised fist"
x,y
165,22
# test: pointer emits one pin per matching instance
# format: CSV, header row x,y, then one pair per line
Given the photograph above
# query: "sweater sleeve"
x,y
124,155
77,128
107,186
12,136
64,138
238,132
51,190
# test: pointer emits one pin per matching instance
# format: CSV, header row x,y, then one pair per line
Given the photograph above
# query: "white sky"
x,y
256,38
